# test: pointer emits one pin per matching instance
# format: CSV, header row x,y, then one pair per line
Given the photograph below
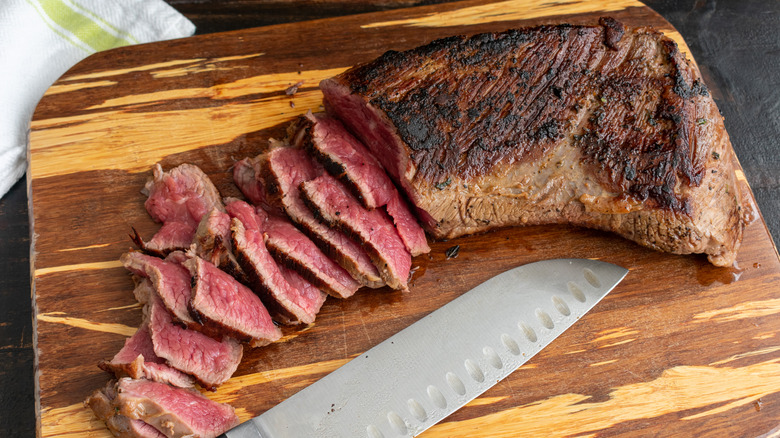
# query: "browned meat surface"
x,y
598,126
212,242
102,404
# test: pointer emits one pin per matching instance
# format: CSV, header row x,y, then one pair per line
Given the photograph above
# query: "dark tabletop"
x,y
736,44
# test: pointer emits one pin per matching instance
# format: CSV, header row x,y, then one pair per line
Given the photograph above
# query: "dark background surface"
x,y
736,44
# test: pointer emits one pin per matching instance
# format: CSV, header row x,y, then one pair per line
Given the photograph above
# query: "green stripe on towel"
x,y
85,29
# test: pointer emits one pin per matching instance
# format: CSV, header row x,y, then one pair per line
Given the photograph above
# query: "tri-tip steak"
x,y
599,126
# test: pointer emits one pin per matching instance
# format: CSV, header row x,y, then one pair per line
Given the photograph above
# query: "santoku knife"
x,y
419,376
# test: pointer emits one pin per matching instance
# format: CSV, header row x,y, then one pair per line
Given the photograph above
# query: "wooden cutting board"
x,y
678,348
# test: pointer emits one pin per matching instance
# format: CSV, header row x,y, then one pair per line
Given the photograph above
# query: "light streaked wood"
x,y
93,143
677,389
746,310
60,318
139,68
110,264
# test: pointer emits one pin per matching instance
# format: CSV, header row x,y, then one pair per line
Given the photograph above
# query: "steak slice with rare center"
x,y
288,244
209,361
178,199
283,169
294,250
174,412
598,126
227,307
331,202
137,359
348,160
169,279
288,303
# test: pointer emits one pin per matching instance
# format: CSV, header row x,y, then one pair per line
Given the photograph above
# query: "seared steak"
x,y
102,404
293,249
599,126
169,279
330,201
245,178
209,361
344,157
288,245
283,169
225,306
137,359
212,242
287,303
178,199
174,412
348,160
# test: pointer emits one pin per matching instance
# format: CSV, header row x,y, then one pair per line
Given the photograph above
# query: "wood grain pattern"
x,y
680,347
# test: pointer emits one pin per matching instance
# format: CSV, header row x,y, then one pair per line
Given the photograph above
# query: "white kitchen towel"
x,y
41,39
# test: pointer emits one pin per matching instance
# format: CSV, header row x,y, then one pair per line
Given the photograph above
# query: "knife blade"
x,y
427,371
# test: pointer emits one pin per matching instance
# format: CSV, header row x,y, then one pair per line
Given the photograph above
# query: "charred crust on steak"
x,y
613,31
258,286
301,268
522,91
141,245
348,231
337,170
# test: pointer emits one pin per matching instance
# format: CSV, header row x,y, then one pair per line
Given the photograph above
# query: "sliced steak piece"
x,y
209,361
174,412
296,251
347,159
170,280
137,359
283,170
172,236
102,404
599,126
313,297
244,176
212,242
408,228
287,304
178,199
225,306
331,201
